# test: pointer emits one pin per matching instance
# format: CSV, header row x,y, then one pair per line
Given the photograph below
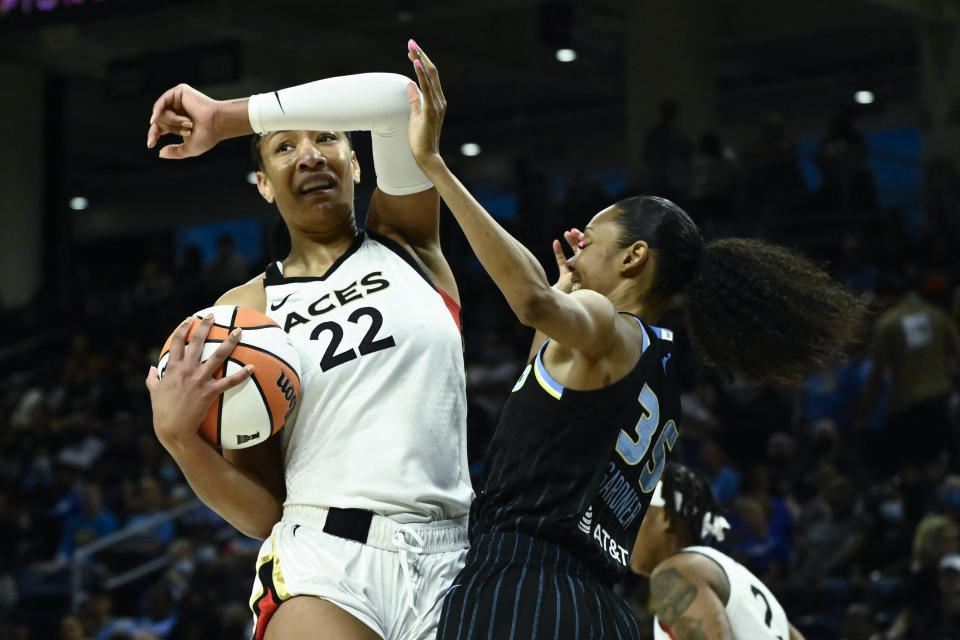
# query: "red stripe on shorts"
x,y
267,606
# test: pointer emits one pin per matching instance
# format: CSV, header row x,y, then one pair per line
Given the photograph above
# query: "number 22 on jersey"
x,y
370,343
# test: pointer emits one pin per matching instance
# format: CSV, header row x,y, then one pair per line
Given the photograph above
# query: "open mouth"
x,y
318,185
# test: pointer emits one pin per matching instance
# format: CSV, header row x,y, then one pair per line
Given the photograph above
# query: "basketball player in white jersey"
x,y
362,500
697,592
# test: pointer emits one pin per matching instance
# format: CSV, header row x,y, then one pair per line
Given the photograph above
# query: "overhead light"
x,y
252,177
566,55
863,97
79,203
470,149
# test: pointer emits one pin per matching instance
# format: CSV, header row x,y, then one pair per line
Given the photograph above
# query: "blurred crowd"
x,y
844,492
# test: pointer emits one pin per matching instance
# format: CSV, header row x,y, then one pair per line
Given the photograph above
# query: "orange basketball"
x,y
260,406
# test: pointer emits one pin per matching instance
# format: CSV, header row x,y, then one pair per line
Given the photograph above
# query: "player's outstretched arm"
x,y
583,320
180,400
686,602
404,205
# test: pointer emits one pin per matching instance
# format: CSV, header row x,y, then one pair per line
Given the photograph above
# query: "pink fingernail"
x,y
580,244
417,64
413,44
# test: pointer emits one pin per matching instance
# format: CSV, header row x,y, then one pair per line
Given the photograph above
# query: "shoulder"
x,y
598,306
250,294
427,260
691,570
941,316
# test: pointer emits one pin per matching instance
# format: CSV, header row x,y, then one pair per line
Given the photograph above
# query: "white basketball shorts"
x,y
390,576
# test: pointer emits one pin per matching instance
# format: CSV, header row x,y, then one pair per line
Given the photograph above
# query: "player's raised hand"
x,y
185,112
574,238
426,116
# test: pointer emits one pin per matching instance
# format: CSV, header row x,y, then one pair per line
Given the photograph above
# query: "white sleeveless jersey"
x,y
754,613
382,418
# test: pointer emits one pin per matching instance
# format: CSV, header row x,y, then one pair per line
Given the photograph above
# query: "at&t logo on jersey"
x,y
604,539
610,545
586,520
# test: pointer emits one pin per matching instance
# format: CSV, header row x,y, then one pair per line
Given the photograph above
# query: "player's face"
x,y
649,550
594,266
310,176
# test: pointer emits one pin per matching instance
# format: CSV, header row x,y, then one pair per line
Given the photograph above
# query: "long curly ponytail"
x,y
754,309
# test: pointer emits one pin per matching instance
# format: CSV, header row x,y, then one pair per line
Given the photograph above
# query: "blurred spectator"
x,y
724,479
15,627
939,617
829,535
154,286
714,186
144,501
225,270
667,152
775,507
71,628
832,394
848,184
917,346
772,171
855,270
891,536
765,553
936,538
187,274
93,522
942,196
96,613
858,623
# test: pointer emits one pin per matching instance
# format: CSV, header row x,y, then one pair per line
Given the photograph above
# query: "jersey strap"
x,y
274,270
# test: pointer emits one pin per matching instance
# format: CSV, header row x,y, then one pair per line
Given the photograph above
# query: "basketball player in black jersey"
x,y
584,436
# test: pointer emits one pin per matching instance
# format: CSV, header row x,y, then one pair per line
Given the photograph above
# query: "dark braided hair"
x,y
279,238
755,309
698,499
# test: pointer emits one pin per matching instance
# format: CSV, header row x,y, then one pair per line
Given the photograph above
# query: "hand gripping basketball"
x,y
231,389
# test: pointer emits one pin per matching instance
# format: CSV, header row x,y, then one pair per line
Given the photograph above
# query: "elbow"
x,y
258,530
260,525
393,97
260,534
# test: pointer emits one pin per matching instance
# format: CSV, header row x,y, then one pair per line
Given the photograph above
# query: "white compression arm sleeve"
x,y
375,102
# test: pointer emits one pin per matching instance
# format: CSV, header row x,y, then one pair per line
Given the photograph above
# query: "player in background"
x,y
362,501
698,592
584,436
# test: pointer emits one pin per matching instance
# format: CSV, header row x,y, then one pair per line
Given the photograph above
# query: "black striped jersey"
x,y
578,468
